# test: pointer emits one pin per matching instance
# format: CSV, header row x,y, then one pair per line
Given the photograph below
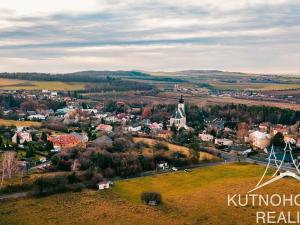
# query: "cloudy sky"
x,y
71,35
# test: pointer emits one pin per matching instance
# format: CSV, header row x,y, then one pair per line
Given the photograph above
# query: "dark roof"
x,y
181,100
176,115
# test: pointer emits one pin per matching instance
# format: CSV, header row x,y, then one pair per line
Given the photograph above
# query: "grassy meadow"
x,y
197,197
10,84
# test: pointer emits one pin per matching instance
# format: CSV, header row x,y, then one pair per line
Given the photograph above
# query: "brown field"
x,y
18,123
253,86
198,197
208,100
229,100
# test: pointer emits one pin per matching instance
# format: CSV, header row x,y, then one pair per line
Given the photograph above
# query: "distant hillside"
x,y
89,76
228,77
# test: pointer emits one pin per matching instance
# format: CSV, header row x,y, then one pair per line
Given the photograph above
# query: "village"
x,y
70,132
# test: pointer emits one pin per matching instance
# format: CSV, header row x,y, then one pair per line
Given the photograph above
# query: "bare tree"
x,y
9,165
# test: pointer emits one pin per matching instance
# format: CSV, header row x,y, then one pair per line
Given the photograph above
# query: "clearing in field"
x,y
10,84
197,197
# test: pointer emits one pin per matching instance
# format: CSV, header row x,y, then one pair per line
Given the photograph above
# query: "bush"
x,y
72,178
64,165
151,198
77,187
161,146
51,185
140,145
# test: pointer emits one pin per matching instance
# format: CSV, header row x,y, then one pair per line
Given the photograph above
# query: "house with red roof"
x,y
104,128
65,141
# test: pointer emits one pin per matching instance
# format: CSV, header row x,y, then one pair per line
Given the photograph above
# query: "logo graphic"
x,y
279,164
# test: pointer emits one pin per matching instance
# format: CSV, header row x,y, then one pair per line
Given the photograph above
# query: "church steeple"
x,y
181,100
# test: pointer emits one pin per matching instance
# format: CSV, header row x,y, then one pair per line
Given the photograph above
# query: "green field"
x,y
198,197
10,84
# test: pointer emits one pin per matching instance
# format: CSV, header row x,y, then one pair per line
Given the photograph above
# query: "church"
x,y
179,117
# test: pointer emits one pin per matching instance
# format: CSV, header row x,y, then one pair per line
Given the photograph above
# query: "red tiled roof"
x,y
65,139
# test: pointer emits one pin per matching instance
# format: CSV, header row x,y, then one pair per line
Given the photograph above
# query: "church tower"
x,y
181,105
179,118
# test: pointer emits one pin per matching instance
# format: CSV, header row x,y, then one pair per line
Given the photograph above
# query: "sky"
x,y
58,36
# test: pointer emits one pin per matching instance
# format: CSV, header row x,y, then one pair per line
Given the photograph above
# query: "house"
x,y
280,128
165,134
21,136
223,142
112,119
289,139
67,141
179,117
90,111
162,165
53,94
155,126
62,111
206,137
36,117
104,185
48,112
134,128
264,127
45,91
104,127
259,139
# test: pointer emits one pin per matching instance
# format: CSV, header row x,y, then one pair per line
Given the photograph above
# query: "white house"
x,y
37,117
162,165
259,139
22,136
134,128
155,126
53,94
206,137
179,117
104,185
223,142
